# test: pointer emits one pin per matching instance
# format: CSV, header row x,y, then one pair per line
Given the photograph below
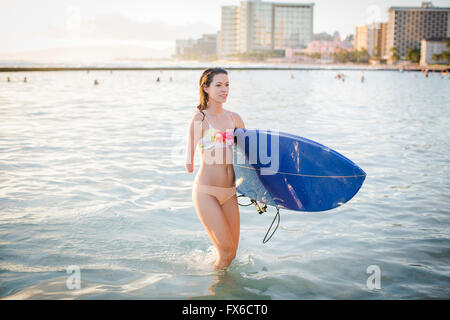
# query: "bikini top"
x,y
215,138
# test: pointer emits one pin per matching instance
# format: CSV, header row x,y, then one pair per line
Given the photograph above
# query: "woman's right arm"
x,y
194,135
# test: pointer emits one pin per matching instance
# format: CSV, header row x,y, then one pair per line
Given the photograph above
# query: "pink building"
x,y
325,48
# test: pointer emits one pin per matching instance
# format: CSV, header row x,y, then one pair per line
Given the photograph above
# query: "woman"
x,y
214,190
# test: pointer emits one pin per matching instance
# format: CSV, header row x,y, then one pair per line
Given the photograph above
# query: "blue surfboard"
x,y
292,172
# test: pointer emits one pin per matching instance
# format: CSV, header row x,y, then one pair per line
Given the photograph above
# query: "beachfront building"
x,y
429,49
206,46
182,46
325,47
217,42
320,48
371,37
292,25
408,26
382,40
361,37
256,26
229,30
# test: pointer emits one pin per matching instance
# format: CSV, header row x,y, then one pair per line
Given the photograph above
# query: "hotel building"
x,y
408,26
259,26
229,31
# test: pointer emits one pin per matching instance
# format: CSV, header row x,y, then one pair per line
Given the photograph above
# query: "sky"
x,y
151,27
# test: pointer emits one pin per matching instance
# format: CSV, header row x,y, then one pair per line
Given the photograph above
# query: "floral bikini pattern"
x,y
217,136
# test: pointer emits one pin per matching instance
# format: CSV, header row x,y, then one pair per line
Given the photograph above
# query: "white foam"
x,y
200,260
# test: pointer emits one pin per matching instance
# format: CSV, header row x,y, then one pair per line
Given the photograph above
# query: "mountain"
x,y
89,53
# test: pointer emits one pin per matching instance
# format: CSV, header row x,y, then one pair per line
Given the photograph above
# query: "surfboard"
x,y
291,172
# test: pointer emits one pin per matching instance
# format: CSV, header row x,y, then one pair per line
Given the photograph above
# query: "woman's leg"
x,y
213,219
231,212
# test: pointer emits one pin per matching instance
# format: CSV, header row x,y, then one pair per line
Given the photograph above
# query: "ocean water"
x,y
93,188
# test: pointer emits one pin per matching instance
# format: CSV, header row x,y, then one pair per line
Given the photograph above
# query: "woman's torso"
x,y
216,167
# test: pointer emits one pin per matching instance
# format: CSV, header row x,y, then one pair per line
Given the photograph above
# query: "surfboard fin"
x,y
258,208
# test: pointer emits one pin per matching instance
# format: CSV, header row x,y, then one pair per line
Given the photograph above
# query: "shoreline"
x,y
228,66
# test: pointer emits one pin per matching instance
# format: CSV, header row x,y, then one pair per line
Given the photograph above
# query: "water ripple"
x,y
94,177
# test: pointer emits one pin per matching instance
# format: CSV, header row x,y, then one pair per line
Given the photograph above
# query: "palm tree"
x,y
394,56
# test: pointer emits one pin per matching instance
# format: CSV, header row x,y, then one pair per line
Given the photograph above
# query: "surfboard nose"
x,y
359,171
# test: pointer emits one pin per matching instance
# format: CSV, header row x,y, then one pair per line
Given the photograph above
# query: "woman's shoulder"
x,y
237,119
235,115
197,115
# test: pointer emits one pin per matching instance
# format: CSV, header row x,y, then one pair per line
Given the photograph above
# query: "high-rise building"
x,y
259,26
408,26
361,37
292,25
371,37
382,34
229,30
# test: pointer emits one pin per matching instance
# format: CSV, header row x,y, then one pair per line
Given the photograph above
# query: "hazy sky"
x,y
29,25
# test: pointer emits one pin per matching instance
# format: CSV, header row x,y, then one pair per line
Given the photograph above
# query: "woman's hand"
x,y
189,167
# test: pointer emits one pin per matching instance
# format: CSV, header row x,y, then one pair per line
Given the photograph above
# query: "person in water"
x,y
214,190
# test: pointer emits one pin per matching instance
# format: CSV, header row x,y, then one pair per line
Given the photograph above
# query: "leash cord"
x,y
258,209
278,223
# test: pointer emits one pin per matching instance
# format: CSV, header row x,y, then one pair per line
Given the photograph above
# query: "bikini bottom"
x,y
222,194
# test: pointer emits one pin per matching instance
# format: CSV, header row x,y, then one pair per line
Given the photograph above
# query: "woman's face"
x,y
218,89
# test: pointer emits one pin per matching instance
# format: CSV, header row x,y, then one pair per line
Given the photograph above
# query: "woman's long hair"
x,y
206,79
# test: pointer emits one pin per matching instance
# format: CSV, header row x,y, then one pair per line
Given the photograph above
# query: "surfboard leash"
x,y
261,211
278,223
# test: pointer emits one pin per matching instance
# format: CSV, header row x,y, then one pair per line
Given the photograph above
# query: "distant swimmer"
x,y
339,76
95,82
